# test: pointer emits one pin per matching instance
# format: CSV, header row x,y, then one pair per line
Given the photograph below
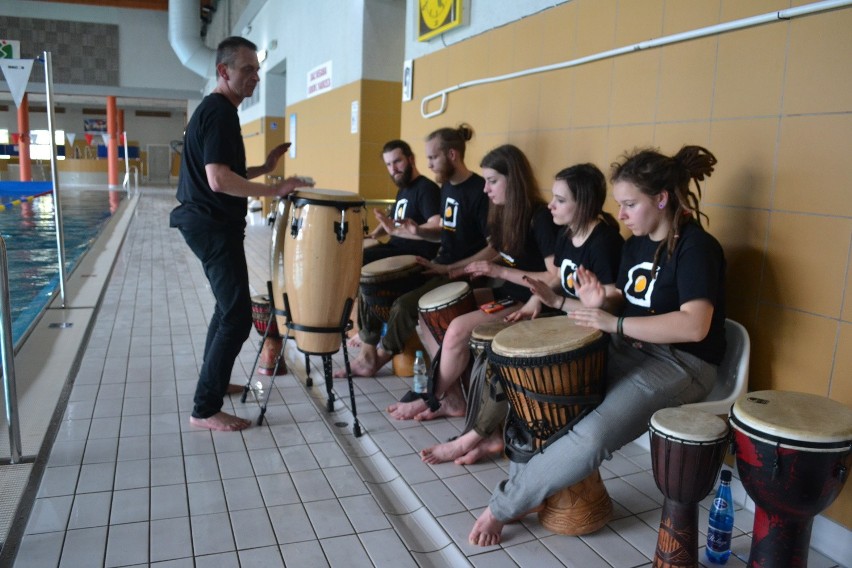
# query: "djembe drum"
x,y
553,374
687,449
793,455
385,280
486,403
268,362
442,305
322,253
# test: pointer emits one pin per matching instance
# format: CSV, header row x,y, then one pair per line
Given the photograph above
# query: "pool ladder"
x,y
9,390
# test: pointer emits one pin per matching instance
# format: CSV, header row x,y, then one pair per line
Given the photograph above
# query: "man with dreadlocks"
x,y
666,316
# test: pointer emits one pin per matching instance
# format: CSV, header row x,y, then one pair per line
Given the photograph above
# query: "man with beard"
x,y
417,201
462,236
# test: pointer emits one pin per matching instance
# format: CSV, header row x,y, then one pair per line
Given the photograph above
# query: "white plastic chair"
x,y
731,377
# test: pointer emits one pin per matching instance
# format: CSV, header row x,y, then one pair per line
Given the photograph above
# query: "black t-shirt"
x,y
418,202
213,136
464,219
695,271
600,253
539,243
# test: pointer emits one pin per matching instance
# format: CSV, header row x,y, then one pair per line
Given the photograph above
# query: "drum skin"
x,y
687,449
484,334
322,266
794,451
276,259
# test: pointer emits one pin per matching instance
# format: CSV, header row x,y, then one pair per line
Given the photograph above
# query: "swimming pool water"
x,y
30,234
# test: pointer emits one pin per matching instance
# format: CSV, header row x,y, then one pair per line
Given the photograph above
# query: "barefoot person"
x,y
212,191
461,236
522,230
590,239
667,338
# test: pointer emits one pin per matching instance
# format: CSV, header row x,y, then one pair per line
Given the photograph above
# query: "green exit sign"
x,y
10,49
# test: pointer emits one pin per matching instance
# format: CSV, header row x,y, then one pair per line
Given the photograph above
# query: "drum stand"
x,y
345,325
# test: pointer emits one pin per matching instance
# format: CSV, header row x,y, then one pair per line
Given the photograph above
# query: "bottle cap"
x,y
418,353
726,475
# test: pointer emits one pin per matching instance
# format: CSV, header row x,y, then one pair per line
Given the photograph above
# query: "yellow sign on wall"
x,y
437,16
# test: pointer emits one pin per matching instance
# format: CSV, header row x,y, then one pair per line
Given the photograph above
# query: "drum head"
x,y
688,425
330,196
539,337
443,295
260,299
797,417
488,330
389,265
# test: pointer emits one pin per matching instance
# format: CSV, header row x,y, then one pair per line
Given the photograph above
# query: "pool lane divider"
x,y
13,193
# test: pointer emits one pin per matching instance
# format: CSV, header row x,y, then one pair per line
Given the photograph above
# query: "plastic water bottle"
x,y
420,377
721,522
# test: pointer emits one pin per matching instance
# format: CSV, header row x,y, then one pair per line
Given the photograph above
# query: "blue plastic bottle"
x,y
721,522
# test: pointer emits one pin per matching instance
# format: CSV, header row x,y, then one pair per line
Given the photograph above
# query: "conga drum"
x,y
276,259
687,449
385,280
271,348
793,452
553,373
442,305
322,255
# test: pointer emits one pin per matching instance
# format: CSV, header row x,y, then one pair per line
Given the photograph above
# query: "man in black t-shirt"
x,y
212,190
418,199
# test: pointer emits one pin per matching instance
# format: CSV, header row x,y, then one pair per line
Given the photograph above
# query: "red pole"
x,y
112,148
24,163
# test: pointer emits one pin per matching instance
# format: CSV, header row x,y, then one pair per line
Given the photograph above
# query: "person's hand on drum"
x,y
384,221
483,268
433,267
530,310
589,289
596,318
408,226
543,292
291,184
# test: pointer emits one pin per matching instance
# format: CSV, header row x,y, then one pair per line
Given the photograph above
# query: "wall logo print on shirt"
x,y
399,212
568,270
640,285
451,214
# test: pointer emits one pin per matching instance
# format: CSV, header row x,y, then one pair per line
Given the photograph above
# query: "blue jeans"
x,y
224,260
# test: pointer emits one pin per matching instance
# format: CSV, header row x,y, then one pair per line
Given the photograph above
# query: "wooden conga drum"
x,y
270,350
385,280
322,254
687,449
276,259
553,373
442,305
793,452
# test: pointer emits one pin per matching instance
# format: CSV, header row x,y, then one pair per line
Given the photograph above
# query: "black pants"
x,y
224,260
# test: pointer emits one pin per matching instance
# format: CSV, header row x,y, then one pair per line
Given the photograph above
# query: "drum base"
x,y
582,508
269,353
403,363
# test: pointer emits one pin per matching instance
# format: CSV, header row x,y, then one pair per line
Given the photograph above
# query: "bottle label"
x,y
720,504
717,540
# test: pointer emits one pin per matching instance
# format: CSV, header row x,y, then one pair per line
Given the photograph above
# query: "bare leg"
x,y
234,389
485,447
221,421
407,410
486,530
451,450
426,337
452,404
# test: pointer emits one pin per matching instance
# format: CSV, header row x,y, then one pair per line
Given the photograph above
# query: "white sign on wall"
x,y
10,49
319,79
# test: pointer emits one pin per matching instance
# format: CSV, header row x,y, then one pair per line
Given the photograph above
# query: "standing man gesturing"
x,y
212,191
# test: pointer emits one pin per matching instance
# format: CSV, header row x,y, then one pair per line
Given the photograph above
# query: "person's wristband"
x,y
619,327
562,305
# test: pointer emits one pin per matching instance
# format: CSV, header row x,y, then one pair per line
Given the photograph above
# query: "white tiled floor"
x,y
129,483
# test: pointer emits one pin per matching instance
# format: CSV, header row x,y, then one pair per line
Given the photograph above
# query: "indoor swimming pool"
x,y
29,230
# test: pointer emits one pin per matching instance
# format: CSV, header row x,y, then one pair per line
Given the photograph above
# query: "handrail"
x,y
9,389
770,17
54,171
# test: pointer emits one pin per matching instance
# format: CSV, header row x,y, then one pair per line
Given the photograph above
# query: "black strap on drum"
x,y
520,450
432,400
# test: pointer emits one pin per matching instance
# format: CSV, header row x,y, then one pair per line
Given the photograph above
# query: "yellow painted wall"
x,y
774,103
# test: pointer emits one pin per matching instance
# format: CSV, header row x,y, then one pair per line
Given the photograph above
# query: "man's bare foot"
x,y
486,530
453,404
221,421
367,364
452,449
235,389
354,342
407,410
484,448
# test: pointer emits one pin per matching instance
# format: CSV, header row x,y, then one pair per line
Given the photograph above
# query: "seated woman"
x,y
667,338
521,229
590,239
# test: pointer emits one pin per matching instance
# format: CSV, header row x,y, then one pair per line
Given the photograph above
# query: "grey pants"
x,y
641,380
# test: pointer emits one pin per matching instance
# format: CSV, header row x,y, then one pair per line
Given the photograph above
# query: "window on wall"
x,y
4,136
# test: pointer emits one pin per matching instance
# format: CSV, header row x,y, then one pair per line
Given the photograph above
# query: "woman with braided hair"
x,y
666,316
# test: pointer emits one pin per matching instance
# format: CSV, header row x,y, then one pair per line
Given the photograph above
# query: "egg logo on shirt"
x,y
510,261
399,212
451,214
568,271
640,285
